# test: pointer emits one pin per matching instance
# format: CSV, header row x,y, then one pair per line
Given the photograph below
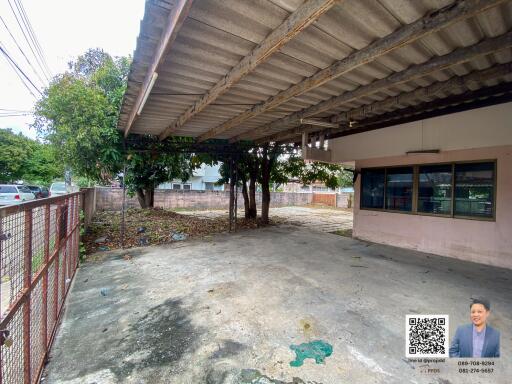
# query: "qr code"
x,y
426,335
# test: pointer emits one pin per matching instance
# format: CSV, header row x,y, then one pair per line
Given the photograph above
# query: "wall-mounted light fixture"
x,y
319,123
420,151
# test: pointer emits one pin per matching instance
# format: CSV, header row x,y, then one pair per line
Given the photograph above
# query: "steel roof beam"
x,y
405,98
175,20
455,57
404,35
294,24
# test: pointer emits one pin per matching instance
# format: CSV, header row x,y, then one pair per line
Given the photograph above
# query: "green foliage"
x,y
345,178
83,182
43,166
14,153
25,159
151,163
291,166
78,114
288,166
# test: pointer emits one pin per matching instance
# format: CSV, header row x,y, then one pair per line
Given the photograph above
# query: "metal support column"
x,y
123,204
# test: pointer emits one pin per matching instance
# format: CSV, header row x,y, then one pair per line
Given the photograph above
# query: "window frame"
x,y
415,191
413,188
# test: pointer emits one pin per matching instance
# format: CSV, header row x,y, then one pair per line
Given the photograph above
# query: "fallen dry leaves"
x,y
159,225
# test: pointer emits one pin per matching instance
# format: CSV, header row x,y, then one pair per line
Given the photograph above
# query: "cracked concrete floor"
x,y
226,310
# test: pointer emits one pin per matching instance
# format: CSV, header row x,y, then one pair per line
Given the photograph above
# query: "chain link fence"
x,y
39,251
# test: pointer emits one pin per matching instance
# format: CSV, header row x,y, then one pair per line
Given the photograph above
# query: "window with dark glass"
x,y
399,184
474,189
372,187
456,190
435,189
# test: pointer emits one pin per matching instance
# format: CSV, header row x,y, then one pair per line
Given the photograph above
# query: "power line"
x,y
12,110
34,37
21,50
14,115
20,71
28,41
28,28
23,81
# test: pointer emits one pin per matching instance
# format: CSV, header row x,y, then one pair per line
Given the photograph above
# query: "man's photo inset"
x,y
477,339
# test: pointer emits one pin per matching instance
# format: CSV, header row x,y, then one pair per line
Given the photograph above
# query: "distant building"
x,y
316,187
203,179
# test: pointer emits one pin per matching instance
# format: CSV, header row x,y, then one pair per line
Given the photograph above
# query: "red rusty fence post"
x,y
27,279
56,262
19,249
44,328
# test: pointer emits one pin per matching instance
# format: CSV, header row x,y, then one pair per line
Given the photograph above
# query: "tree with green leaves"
x,y
78,115
43,166
273,163
22,158
150,163
14,153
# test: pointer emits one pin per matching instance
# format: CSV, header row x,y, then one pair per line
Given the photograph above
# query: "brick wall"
x,y
328,199
111,199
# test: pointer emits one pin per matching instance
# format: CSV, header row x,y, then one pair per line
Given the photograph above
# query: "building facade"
x,y
441,185
203,179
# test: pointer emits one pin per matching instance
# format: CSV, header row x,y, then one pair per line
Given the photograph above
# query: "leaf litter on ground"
x,y
160,225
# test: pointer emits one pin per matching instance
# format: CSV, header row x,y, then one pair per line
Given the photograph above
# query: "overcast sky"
x,y
64,29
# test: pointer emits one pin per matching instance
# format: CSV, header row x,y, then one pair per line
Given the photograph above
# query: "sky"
x,y
64,29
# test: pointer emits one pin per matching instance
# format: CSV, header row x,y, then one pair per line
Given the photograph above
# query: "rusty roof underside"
x,y
267,70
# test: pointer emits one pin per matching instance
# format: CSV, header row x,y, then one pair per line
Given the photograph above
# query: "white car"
x,y
15,194
58,189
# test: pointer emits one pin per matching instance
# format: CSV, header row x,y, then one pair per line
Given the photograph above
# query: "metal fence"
x,y
39,251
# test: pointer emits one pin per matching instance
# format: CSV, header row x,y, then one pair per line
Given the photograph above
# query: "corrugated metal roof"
x,y
217,34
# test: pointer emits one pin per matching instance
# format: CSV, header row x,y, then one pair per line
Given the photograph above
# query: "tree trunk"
x,y
231,195
265,187
253,209
146,197
253,175
245,194
265,199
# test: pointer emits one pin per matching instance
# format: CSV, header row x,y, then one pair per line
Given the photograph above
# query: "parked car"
x,y
39,192
45,192
15,194
59,188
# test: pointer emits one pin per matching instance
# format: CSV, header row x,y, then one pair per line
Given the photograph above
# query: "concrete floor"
x,y
227,309
319,218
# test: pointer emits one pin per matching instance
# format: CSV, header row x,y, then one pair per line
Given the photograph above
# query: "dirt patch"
x,y
153,227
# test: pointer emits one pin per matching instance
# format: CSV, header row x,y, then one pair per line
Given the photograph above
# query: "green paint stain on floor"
x,y
317,350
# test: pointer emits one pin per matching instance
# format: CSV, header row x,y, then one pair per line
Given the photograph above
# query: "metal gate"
x,y
39,250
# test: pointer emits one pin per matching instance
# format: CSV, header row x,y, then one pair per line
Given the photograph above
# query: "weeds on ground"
x,y
343,232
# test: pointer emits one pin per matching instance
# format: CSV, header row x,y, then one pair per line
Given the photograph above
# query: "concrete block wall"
x,y
88,204
111,199
344,200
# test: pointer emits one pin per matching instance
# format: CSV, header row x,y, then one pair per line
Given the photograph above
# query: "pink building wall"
x,y
488,242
